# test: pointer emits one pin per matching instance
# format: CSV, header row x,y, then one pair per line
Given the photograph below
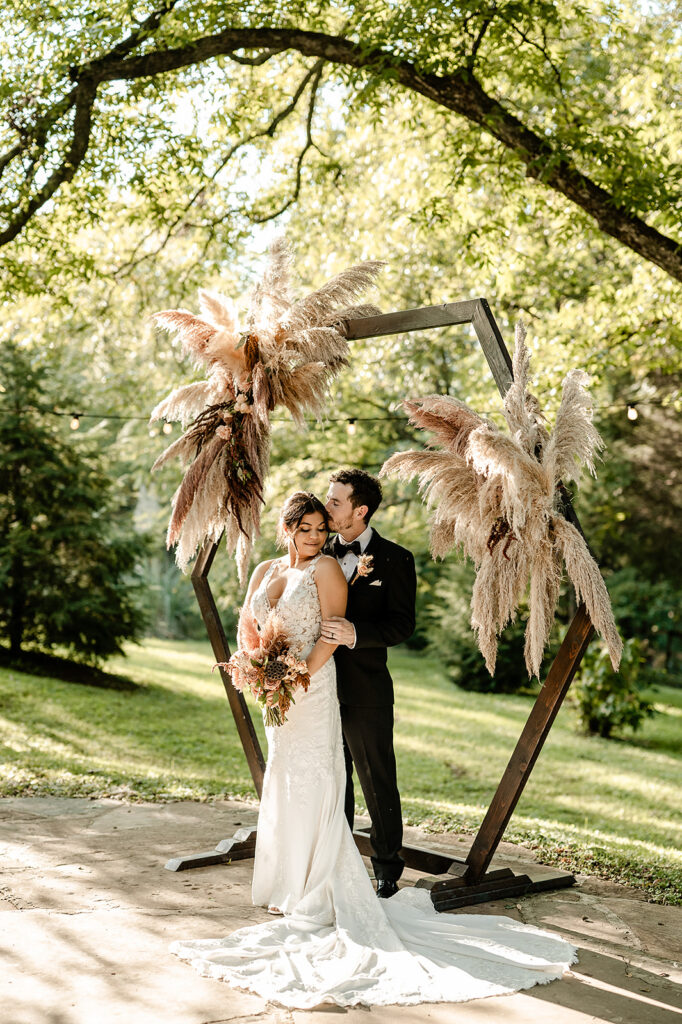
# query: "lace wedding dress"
x,y
338,943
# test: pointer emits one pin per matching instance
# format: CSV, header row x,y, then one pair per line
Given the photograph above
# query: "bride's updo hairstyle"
x,y
297,505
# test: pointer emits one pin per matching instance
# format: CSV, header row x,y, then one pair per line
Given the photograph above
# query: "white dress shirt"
x,y
349,561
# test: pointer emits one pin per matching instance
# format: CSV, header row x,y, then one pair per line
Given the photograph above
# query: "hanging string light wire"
x,y
631,408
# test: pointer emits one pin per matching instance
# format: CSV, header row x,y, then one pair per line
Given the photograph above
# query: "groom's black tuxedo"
x,y
381,608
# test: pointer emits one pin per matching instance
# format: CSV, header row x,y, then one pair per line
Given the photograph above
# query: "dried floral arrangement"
x,y
496,496
266,666
286,354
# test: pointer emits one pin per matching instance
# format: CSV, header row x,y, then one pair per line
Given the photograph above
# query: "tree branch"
x,y
255,62
80,140
38,133
473,53
144,30
556,71
301,156
458,91
315,74
309,144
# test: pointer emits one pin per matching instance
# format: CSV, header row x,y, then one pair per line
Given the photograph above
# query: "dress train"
x,y
337,943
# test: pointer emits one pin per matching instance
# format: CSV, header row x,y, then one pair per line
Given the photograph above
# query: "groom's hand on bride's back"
x,y
337,630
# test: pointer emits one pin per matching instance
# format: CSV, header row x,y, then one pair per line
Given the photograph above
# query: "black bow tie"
x,y
341,549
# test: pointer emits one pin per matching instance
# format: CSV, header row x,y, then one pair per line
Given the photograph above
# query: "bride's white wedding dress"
x,y
337,942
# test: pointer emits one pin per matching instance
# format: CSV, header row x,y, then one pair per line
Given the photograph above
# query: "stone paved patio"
x,y
87,912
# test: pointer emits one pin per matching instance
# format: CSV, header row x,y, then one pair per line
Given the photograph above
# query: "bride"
x,y
332,940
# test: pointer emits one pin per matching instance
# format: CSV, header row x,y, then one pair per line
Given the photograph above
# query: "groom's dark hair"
x,y
366,489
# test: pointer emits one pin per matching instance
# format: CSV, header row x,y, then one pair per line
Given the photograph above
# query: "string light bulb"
x,y
351,428
632,413
168,428
75,420
153,431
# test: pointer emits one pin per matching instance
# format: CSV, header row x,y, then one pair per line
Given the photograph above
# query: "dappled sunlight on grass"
x,y
611,807
655,790
601,795
170,735
668,709
632,821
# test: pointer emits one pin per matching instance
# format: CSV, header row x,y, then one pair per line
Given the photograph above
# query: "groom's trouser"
x,y
368,744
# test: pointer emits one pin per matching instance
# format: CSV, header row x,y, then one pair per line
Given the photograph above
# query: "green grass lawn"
x,y
608,807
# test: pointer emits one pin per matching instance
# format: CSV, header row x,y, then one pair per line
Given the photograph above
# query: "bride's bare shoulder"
x,y
259,572
327,568
264,566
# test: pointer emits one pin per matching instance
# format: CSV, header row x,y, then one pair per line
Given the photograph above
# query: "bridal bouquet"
x,y
270,671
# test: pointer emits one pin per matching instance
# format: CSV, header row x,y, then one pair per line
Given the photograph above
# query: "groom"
x,y
380,613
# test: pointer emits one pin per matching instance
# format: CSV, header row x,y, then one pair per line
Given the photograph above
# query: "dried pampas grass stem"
x,y
286,354
496,496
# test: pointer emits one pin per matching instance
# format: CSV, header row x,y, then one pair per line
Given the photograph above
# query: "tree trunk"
x,y
17,586
18,606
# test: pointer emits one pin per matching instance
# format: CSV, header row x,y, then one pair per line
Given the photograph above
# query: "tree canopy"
x,y
522,151
129,100
69,556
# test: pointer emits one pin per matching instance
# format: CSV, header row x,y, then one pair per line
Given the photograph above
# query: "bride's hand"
x,y
337,630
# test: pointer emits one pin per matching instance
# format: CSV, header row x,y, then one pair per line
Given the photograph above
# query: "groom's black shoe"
x,y
386,888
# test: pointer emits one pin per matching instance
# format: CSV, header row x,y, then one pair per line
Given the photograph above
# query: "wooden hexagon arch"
x,y
454,882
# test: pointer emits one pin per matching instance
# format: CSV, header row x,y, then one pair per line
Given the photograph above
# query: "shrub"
x,y
467,667
610,701
69,552
452,640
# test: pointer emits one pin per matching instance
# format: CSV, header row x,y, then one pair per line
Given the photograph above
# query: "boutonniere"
x,y
364,567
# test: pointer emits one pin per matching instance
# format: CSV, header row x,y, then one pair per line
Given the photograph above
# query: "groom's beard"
x,y
339,527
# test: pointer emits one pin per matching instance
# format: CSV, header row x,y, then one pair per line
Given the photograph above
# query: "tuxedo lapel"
x,y
381,608
374,544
